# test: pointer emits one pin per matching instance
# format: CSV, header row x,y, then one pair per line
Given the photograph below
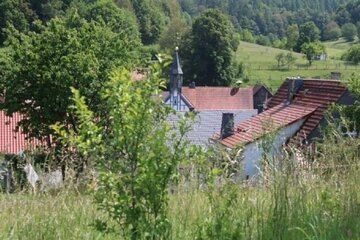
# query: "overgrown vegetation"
x,y
131,174
141,194
319,200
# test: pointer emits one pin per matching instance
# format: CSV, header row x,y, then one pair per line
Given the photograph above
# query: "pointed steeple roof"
x,y
176,66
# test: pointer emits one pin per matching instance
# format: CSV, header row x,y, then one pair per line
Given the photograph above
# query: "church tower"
x,y
176,81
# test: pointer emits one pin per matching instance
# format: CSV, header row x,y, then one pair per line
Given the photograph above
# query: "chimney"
x,y
290,92
294,85
192,85
227,125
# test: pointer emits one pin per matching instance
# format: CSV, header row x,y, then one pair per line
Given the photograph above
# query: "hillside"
x,y
261,65
336,48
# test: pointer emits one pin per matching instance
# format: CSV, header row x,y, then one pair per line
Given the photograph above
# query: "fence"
x,y
303,67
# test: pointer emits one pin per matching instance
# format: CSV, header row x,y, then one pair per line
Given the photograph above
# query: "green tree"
x,y
349,31
290,59
352,54
331,31
174,33
263,40
247,36
151,21
108,12
285,59
352,112
292,36
280,58
47,9
135,151
308,33
311,50
17,13
43,65
210,53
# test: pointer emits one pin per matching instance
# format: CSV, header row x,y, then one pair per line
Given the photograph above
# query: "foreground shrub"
x,y
135,152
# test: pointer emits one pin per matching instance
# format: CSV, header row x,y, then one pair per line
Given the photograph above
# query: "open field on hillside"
x,y
335,49
261,65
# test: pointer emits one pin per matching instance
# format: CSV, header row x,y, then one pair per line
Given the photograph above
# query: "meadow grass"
x,y
335,49
261,65
317,201
63,216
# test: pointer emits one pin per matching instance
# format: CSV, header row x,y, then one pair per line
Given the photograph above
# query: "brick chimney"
x,y
227,125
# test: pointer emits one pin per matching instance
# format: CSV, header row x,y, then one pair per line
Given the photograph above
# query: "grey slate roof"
x,y
208,122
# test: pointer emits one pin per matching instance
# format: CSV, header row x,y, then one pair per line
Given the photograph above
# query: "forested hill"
x,y
163,18
290,5
270,16
152,15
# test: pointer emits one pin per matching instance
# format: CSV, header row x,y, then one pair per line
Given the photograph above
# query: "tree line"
x,y
272,18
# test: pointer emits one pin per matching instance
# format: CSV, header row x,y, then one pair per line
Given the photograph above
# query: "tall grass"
x,y
65,216
320,200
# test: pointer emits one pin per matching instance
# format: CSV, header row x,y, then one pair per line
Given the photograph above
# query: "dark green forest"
x,y
154,17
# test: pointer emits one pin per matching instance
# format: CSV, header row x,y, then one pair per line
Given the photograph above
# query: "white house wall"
x,y
182,106
253,152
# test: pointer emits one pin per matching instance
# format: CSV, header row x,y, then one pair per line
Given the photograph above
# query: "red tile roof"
x,y
138,75
317,93
274,118
12,142
311,101
219,98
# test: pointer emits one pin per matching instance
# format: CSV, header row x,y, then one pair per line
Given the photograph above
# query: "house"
x,y
13,142
209,103
295,114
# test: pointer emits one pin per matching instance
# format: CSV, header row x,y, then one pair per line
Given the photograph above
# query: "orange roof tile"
x,y
318,93
310,102
219,98
12,142
265,122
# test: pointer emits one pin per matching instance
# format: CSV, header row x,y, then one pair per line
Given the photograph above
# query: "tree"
x,y
280,58
247,36
47,9
285,59
290,59
311,50
263,40
42,66
331,31
292,36
135,151
349,31
209,54
352,112
107,11
17,13
151,21
352,54
308,33
175,31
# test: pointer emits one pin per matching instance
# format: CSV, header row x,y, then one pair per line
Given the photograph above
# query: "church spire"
x,y
176,66
176,74
176,81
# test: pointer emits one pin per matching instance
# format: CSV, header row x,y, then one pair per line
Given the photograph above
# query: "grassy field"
x,y
321,201
261,65
335,49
